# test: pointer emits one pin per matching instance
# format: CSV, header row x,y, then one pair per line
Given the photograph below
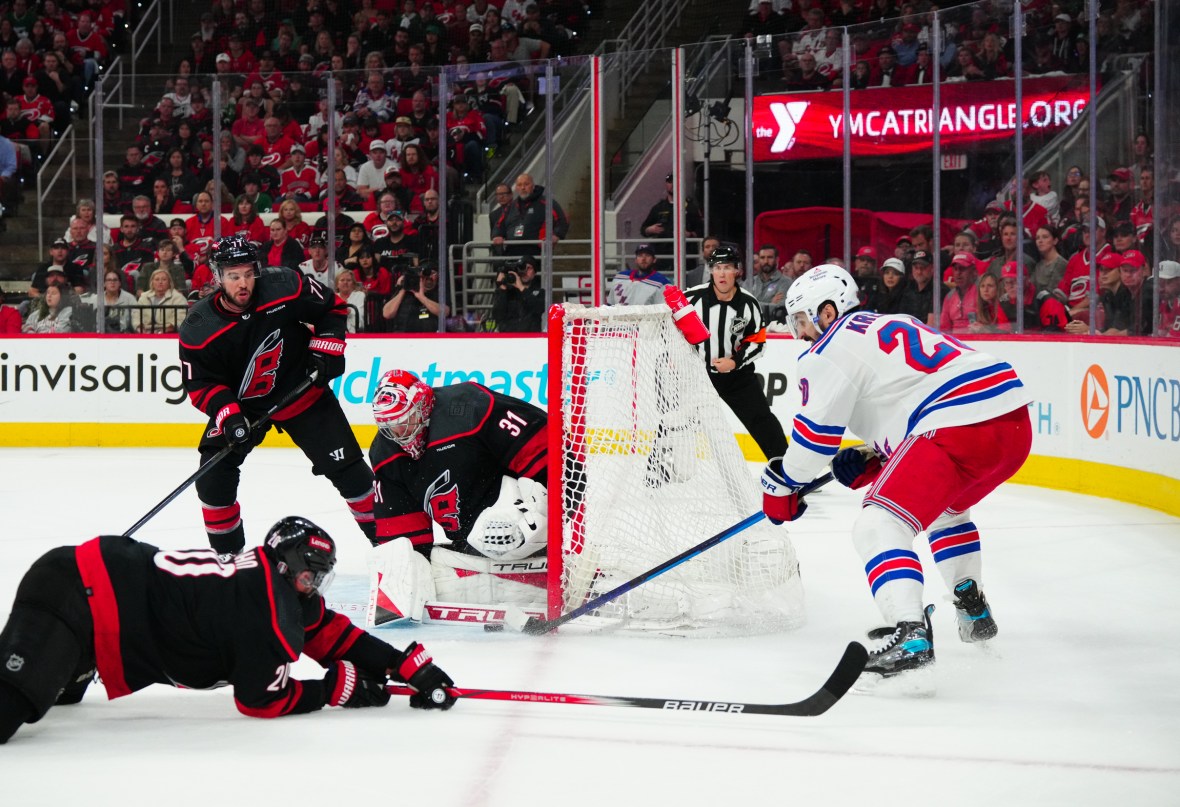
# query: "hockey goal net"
x,y
650,468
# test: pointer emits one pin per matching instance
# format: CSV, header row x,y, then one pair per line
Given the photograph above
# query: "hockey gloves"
x,y
432,684
780,498
856,467
326,359
346,686
234,426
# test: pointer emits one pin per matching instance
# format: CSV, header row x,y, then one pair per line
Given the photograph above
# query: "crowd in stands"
x,y
801,41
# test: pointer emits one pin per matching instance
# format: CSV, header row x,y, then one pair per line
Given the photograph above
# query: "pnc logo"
x,y
1095,401
787,116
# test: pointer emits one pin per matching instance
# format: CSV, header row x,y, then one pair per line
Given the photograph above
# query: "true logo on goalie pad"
x,y
703,706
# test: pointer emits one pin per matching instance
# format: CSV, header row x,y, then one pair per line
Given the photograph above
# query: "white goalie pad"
x,y
459,577
515,526
400,583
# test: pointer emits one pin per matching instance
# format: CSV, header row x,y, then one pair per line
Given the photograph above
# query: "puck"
x,y
493,628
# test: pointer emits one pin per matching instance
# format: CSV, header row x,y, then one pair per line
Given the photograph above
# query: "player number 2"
x,y
512,423
908,335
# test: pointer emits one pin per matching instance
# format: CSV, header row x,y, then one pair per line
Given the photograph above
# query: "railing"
x,y
112,80
150,22
63,149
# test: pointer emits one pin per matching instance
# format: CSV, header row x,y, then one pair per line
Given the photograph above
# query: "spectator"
x,y
1041,193
9,180
354,297
697,275
1171,240
1109,283
524,224
114,202
54,312
1121,199
868,280
639,285
659,223
906,48
117,302
1133,302
57,260
166,260
10,318
991,59
800,262
346,198
414,307
888,296
162,307
830,60
959,306
371,175
356,237
917,299
80,257
318,265
1050,267
1008,243
766,282
88,49
86,212
987,230
281,250
965,67
1043,311
130,249
246,221
903,248
427,225
37,109
1123,237
466,132
519,303
888,73
181,182
922,69
1169,311
199,227
1063,43
862,76
808,76
1069,193
989,314
1074,288
1142,214
299,182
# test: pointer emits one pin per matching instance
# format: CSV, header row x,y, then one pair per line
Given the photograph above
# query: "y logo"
x,y
787,116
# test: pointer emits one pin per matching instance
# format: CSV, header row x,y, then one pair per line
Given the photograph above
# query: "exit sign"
x,y
954,162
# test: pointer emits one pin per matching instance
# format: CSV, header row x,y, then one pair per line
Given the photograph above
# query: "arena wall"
x,y
1106,412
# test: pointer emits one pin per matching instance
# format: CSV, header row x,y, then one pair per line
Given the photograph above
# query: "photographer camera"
x,y
414,307
519,303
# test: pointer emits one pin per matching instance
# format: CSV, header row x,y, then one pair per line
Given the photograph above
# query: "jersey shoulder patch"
x,y
458,409
201,324
276,283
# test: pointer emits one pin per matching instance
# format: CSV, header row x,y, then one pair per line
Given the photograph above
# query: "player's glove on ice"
x,y
856,467
347,686
326,359
418,670
780,499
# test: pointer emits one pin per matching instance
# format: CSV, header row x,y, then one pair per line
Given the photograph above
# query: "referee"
x,y
736,337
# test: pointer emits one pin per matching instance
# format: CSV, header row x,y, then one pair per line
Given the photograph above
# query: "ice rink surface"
x,y
1077,702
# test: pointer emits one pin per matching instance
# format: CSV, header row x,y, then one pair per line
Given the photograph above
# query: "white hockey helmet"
x,y
826,283
402,407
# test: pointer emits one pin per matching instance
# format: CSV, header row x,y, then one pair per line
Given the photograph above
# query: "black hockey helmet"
x,y
303,553
725,253
233,250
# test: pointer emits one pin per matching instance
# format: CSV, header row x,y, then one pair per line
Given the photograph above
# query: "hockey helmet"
x,y
304,554
725,253
233,250
826,283
402,406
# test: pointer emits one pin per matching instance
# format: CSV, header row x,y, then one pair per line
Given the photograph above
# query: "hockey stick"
x,y
207,466
852,663
515,618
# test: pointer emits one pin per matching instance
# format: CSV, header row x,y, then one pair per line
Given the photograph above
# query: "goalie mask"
x,y
402,407
304,554
826,283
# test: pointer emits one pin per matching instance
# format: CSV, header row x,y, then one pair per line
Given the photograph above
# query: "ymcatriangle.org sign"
x,y
885,121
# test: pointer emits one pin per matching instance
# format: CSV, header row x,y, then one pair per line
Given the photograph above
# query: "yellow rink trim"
x,y
1129,485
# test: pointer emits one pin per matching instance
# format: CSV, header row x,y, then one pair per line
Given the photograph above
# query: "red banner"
x,y
884,121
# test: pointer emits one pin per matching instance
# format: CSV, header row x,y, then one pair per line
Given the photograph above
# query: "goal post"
x,y
643,465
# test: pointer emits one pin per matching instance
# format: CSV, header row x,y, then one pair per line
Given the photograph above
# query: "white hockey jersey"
x,y
885,377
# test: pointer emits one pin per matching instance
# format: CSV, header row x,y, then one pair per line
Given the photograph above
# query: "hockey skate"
x,y
908,649
973,614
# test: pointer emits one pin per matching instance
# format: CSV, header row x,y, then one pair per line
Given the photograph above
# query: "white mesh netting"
x,y
651,468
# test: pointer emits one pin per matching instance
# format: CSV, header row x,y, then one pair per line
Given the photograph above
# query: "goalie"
x,y
472,461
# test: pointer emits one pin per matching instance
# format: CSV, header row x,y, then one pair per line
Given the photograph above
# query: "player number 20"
x,y
909,336
512,423
282,675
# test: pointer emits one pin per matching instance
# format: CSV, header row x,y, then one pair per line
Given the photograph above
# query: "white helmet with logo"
x,y
826,283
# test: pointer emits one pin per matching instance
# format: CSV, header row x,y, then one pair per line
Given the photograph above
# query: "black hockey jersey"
x,y
184,618
255,358
475,437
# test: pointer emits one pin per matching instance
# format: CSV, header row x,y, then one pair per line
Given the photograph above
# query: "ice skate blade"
x,y
919,683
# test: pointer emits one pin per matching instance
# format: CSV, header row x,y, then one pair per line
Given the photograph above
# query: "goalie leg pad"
x,y
460,577
400,583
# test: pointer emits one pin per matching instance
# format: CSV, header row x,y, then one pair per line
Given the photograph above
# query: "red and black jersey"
x,y
252,359
184,618
475,437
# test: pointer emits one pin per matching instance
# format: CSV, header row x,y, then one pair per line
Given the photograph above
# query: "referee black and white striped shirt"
x,y
735,326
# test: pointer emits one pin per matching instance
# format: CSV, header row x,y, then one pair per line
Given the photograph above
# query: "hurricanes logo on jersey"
x,y
260,376
442,502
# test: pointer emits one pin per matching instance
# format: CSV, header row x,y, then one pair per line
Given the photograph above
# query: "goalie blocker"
x,y
472,462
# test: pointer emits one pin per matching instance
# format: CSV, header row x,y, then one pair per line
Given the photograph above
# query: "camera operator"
x,y
519,304
414,306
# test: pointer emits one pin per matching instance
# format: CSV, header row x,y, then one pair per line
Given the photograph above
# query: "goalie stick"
x,y
518,621
852,663
287,399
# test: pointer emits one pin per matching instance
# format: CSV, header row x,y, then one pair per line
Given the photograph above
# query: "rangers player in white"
x,y
943,424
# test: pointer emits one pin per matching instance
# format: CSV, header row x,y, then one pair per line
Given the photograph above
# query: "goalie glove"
x,y
352,688
418,670
513,527
780,498
856,467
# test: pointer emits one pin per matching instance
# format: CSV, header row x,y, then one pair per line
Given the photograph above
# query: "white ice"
x,y
1075,703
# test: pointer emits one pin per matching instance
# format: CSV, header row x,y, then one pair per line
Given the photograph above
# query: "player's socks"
x,y
910,647
974,616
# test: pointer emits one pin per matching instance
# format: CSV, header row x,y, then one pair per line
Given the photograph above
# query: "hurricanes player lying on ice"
x,y
141,616
244,348
473,462
944,425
